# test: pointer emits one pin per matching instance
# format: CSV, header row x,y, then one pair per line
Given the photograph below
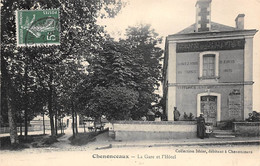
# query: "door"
x,y
209,108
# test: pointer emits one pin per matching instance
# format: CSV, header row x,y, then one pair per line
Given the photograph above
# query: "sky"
x,y
171,16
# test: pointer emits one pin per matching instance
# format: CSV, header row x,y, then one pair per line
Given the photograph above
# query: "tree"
x,y
144,40
80,35
134,64
109,69
114,102
6,93
69,80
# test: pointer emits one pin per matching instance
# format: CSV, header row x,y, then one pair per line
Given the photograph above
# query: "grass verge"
x,y
35,141
23,143
84,138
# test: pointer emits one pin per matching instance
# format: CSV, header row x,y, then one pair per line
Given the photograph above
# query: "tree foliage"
x,y
35,75
120,81
114,102
144,43
133,63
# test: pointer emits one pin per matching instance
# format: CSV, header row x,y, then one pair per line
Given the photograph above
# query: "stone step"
x,y
223,132
224,136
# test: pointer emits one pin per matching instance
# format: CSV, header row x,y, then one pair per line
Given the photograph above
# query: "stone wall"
x,y
246,128
151,130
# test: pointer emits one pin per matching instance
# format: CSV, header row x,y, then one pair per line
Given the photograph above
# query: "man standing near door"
x,y
176,114
201,126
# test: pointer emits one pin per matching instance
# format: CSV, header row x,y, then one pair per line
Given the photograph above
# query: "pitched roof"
x,y
214,27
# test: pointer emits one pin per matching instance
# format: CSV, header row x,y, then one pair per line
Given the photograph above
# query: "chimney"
x,y
203,15
240,21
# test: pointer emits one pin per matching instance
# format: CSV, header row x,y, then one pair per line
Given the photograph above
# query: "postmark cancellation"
x,y
37,27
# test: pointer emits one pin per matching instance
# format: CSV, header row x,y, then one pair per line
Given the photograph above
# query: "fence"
x,y
31,128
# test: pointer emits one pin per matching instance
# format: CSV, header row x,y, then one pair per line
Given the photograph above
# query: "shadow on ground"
x,y
32,141
85,138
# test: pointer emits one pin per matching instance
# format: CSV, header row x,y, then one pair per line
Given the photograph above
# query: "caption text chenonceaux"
x,y
172,156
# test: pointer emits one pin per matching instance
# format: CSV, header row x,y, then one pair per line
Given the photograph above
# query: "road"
x,y
63,154
248,155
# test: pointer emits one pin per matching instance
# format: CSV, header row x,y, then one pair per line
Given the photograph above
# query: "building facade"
x,y
208,68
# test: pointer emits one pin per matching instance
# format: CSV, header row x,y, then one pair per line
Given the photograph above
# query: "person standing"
x,y
176,114
158,115
201,126
208,130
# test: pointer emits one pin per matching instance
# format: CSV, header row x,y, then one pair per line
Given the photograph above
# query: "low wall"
x,y
30,128
246,128
151,130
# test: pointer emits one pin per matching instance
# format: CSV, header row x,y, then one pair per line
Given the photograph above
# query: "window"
x,y
209,65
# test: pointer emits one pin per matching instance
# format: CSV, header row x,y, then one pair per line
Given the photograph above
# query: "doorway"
x,y
208,105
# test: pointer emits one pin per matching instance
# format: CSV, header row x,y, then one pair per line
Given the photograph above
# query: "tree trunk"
x,y
56,123
61,125
76,123
101,125
50,106
25,123
21,128
52,122
26,102
43,123
73,131
12,124
7,87
95,124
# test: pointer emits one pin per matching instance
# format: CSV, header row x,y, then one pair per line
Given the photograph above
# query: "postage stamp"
x,y
37,27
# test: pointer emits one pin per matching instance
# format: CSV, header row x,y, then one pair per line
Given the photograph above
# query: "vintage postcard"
x,y
130,82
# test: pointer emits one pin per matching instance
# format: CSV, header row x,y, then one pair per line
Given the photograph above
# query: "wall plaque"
x,y
210,45
234,104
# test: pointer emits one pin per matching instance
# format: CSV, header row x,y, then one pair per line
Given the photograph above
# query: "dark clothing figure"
x,y
176,114
250,117
256,116
201,127
158,115
253,117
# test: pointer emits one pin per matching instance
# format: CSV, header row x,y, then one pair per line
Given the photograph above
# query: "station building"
x,y
208,68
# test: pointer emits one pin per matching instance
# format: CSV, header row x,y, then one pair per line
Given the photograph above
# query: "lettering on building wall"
x,y
191,71
187,63
227,70
227,61
187,72
234,104
198,87
210,45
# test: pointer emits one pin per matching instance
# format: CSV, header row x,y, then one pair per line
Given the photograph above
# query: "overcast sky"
x,y
171,16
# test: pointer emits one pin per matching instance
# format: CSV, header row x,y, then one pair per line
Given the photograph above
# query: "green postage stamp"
x,y
37,27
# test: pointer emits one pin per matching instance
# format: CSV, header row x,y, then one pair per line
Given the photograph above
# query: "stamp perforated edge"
x,y
35,44
17,27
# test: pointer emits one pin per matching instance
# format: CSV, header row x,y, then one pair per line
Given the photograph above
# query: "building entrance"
x,y
209,108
